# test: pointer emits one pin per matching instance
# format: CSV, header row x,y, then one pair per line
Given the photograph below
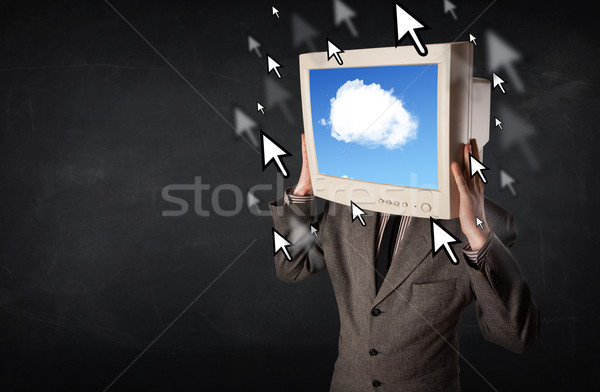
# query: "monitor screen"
x,y
377,124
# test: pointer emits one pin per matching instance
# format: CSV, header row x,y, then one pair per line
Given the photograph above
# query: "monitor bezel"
x,y
455,74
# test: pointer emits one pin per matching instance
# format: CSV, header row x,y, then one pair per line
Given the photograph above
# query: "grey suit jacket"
x,y
405,337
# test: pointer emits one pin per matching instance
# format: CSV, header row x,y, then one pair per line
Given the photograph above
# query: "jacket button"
x,y
373,352
375,312
376,383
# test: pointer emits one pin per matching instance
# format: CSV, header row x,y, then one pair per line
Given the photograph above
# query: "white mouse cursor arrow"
x,y
407,24
357,213
498,82
253,45
343,13
498,122
477,167
275,11
252,200
440,237
272,151
260,108
244,125
507,181
502,56
517,133
303,33
449,7
334,51
273,65
313,231
281,244
276,95
472,39
479,223
254,204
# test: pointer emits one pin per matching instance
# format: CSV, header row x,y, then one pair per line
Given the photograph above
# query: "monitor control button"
x,y
426,207
404,204
380,200
388,202
396,203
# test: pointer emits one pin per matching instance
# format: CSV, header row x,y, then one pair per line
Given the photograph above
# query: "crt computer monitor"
x,y
383,128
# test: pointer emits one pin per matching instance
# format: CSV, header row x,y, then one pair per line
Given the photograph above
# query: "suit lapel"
x,y
415,246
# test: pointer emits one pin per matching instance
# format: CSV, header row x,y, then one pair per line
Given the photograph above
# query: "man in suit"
x,y
400,307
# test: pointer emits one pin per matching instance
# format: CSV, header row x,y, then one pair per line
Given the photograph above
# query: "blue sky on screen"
x,y
356,137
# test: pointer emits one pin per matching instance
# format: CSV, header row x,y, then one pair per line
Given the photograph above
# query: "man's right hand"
x,y
304,186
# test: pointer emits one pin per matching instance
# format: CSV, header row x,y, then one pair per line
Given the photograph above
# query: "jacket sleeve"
x,y
506,312
293,221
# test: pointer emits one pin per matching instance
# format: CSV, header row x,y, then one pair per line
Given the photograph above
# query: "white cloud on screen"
x,y
323,122
370,116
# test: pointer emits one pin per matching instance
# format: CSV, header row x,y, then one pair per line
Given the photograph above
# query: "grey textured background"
x,y
94,123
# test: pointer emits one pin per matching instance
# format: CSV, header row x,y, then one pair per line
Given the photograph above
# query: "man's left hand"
x,y
471,199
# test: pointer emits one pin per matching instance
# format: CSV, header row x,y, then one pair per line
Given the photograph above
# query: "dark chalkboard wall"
x,y
106,104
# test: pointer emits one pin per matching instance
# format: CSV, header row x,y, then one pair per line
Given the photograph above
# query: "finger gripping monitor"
x,y
383,128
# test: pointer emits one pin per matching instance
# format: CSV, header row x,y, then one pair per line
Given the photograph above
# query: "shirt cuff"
x,y
290,198
477,257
